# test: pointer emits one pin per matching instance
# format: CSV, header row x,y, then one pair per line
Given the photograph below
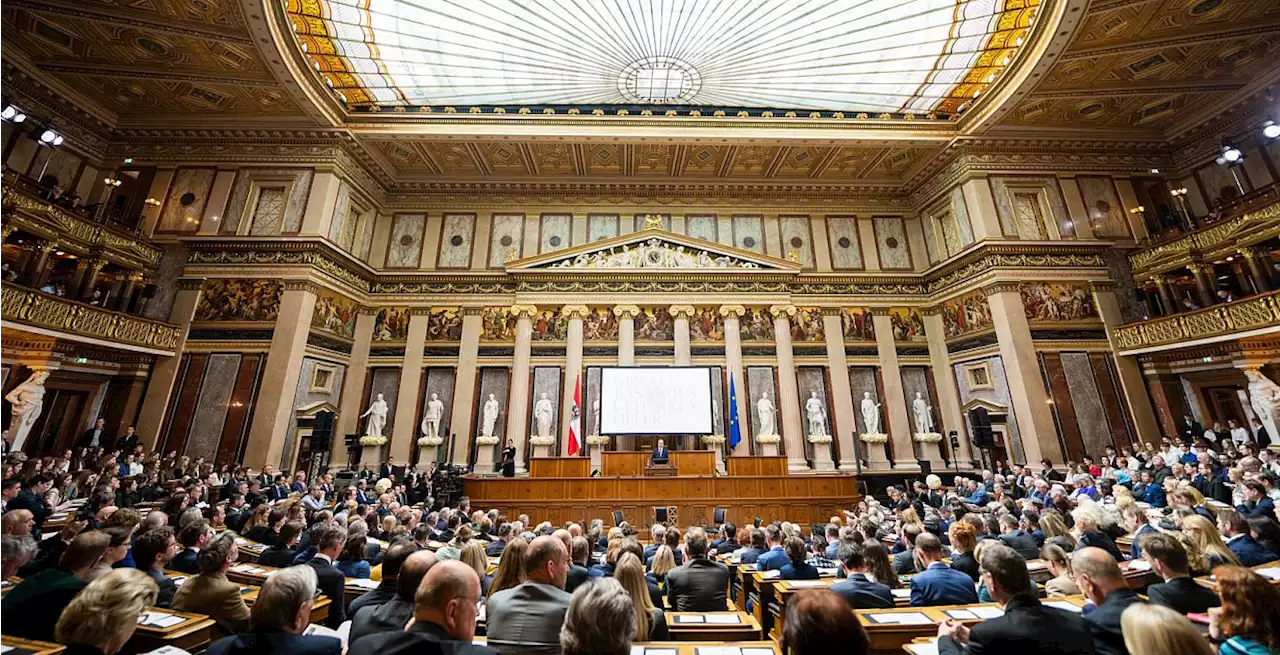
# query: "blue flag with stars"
x,y
735,432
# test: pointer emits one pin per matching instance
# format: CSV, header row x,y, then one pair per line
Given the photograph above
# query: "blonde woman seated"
x,y
663,561
651,622
211,593
103,617
473,555
1151,629
453,549
1209,541
1056,532
1064,580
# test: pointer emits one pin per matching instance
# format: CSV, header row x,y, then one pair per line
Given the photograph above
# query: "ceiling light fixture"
x,y
1231,154
1270,130
49,137
11,113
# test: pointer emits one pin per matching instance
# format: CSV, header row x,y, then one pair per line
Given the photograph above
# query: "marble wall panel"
x,y
891,242
1091,415
63,165
1219,184
928,225
1060,393
915,379
748,233
173,260
862,379
591,399
998,393
1106,214
1054,209
211,408
844,242
304,396
457,238
496,382
811,380
184,203
404,246
383,380
440,381
702,226
636,222
554,232
960,211
341,214
601,226
797,237
719,393
297,181
506,239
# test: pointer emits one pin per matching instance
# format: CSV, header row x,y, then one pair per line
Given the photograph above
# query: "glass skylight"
x,y
835,55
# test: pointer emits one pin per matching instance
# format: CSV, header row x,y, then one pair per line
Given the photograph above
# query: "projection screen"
x,y
657,400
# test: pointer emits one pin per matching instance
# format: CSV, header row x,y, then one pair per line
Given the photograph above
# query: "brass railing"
x,y
1219,320
1218,238
74,231
30,307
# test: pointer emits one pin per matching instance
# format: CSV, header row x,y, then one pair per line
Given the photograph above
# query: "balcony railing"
x,y
1225,320
34,308
75,231
1221,238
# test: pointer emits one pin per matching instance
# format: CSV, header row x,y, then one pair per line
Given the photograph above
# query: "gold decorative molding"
x,y
301,285
626,311
472,311
1000,287
1102,286
524,312
70,231
1210,242
878,311
931,310
1217,321
832,311
28,307
190,283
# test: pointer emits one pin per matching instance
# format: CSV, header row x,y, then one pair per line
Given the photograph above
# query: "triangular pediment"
x,y
653,251
310,410
991,407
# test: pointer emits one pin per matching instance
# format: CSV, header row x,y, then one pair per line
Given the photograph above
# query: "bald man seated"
x,y
444,617
1103,583
395,613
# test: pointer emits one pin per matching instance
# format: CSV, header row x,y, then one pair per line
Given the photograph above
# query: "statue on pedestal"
x,y
766,413
542,411
432,416
1264,398
26,402
870,413
816,412
924,414
377,414
490,416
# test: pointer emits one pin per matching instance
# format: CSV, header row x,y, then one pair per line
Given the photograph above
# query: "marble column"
x,y
352,403
1171,305
1203,273
1132,384
274,411
732,315
521,369
681,314
894,403
1021,368
404,429
37,271
1258,260
572,373
944,381
845,427
788,391
87,270
164,373
464,387
626,357
121,301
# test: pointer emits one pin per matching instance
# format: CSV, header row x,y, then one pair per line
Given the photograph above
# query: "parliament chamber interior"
x,y
708,327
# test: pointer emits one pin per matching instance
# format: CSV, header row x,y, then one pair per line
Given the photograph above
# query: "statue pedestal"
x,y
594,449
874,449
540,451
931,449
768,449
426,455
484,459
822,456
370,457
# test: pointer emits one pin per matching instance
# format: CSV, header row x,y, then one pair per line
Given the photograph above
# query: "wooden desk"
x,y
783,590
30,646
1139,576
559,467
193,634
1272,569
743,627
630,463
753,466
249,551
889,637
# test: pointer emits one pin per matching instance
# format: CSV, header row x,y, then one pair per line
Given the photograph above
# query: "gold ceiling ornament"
x,y
793,255
511,254
653,222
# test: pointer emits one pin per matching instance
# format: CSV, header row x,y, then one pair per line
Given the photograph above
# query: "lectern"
x,y
661,470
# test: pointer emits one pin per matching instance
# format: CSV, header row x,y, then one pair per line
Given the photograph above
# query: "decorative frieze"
x,y
37,309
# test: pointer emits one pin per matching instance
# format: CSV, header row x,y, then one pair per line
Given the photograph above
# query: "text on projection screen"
x,y
655,401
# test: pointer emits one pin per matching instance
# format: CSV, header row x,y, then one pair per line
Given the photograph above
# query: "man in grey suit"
x,y
700,584
527,617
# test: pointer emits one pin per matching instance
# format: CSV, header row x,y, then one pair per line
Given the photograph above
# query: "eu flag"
x,y
735,433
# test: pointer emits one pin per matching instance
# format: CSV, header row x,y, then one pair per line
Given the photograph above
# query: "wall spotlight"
x,y
11,113
49,138
1271,130
1231,154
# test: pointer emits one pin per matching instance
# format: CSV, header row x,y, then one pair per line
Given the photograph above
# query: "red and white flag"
x,y
575,421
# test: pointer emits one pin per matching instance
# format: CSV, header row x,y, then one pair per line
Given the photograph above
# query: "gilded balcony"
x,y
1223,238
20,306
1252,316
75,231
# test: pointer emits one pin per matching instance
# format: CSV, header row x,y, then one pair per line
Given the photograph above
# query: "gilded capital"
x,y
626,311
523,312
831,311
932,310
780,311
421,311
574,312
681,311
472,311
1100,286
878,311
732,311
301,285
999,287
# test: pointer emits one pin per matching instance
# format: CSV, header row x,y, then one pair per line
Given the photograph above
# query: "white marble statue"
x,y
542,411
924,414
1264,398
765,412
870,413
489,414
432,416
26,402
816,412
595,411
377,414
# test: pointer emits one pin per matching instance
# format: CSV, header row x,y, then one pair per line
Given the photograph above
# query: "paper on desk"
x,y
245,568
961,615
325,631
1139,565
159,619
901,618
363,583
900,593
987,612
655,651
723,619
178,580
690,618
718,650
757,651
771,574
806,584
5,649
827,573
168,650
1269,573
930,648
1063,605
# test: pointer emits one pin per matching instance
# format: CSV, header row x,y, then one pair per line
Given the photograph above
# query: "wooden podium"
x,y
626,463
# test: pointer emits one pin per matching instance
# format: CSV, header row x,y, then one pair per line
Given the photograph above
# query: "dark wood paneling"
x,y
1060,391
184,407
1116,420
236,426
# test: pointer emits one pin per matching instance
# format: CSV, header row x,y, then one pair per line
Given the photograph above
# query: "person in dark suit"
x,y
776,556
1026,627
285,549
937,583
444,618
392,560
509,459
797,568
31,608
152,551
128,442
700,584
1135,520
1179,592
1017,538
328,539
279,490
1259,504
1103,583
904,562
280,614
392,615
660,455
527,618
31,498
96,436
1190,430
579,572
858,590
757,546
964,540
1087,520
193,537
1240,541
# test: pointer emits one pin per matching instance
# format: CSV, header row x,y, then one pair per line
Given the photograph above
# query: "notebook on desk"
x,y
900,618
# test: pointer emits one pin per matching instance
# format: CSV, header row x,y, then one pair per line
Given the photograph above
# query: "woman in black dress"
x,y
509,460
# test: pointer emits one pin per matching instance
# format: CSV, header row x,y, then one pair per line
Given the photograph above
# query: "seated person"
x,y
396,612
280,615
937,583
152,550
797,568
281,555
31,609
700,584
1168,559
210,592
1103,583
660,454
859,591
103,617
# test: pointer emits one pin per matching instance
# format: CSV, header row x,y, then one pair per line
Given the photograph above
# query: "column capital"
x,y
732,311
781,311
524,311
999,287
190,283
1201,267
878,311
831,311
1254,251
932,310
471,311
47,246
1099,286
572,312
301,285
626,311
681,311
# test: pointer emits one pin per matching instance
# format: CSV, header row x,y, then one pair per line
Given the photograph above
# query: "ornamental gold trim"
x,y
1228,236
1217,321
37,309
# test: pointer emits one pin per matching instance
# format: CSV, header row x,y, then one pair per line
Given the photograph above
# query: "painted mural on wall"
x,y
706,324
234,299
655,324
908,324
600,325
1044,301
391,324
334,313
756,325
968,313
498,324
444,324
857,323
806,325
549,325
